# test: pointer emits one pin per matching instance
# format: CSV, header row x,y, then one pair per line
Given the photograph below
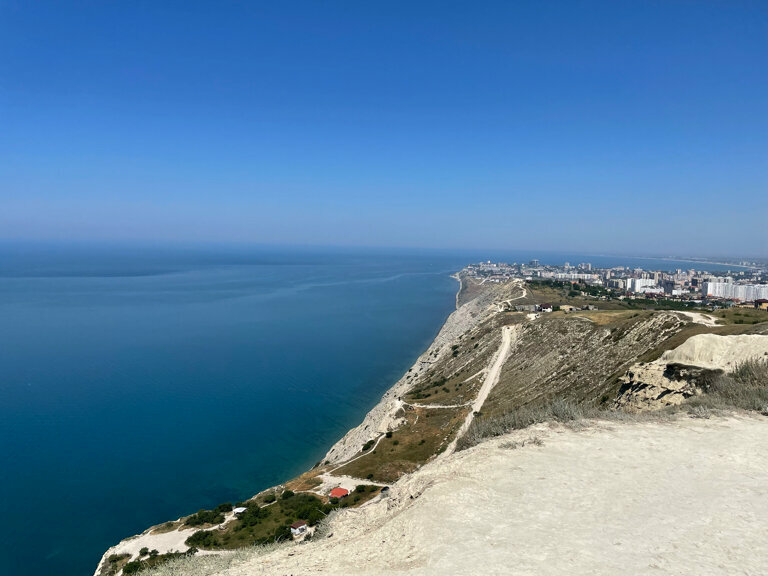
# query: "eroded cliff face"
x,y
657,385
387,414
683,372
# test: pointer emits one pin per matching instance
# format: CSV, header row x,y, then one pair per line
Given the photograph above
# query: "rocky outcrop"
x,y
656,385
682,372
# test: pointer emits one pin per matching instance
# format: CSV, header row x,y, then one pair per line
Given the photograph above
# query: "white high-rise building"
x,y
640,284
743,292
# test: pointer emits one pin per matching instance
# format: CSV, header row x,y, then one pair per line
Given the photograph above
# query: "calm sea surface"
x,y
137,385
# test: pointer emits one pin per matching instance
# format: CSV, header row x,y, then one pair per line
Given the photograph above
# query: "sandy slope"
x,y
685,498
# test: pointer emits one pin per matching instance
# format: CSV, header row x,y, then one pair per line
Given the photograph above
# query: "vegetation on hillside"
x,y
264,524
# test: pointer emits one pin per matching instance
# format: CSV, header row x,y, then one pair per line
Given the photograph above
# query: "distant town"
x,y
747,287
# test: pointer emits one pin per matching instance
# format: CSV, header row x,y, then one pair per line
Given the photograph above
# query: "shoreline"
x,y
382,413
382,416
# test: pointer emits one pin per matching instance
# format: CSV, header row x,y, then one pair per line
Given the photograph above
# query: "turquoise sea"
x,y
138,384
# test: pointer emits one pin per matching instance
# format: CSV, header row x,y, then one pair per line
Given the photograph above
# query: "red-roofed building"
x,y
339,493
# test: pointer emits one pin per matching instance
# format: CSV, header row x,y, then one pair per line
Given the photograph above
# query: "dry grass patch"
x,y
426,433
166,527
611,317
306,481
740,316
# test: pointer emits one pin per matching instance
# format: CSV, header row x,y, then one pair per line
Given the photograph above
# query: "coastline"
x,y
383,416
375,424
477,338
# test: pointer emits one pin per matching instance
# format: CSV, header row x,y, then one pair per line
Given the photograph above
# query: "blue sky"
x,y
635,127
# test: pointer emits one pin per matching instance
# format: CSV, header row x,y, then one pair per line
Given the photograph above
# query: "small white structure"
x,y
298,528
239,510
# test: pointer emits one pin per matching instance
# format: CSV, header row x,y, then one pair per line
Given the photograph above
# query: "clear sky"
x,y
636,127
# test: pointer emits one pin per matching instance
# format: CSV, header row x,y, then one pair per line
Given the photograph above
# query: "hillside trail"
x,y
507,333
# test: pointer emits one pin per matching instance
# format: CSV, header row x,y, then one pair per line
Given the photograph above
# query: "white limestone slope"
x,y
716,352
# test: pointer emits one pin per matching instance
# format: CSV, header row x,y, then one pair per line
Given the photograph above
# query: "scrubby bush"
x,y
115,558
270,497
286,494
252,515
202,539
282,533
368,445
205,517
132,567
745,388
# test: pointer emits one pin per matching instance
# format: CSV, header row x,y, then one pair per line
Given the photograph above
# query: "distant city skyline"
x,y
598,127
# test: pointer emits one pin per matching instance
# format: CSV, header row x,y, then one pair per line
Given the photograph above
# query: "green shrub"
x,y
282,533
205,517
132,567
368,445
286,494
114,558
202,539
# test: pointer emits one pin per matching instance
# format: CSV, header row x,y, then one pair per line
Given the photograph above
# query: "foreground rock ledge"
x,y
683,497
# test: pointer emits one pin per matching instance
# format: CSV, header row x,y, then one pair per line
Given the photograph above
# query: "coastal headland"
x,y
552,372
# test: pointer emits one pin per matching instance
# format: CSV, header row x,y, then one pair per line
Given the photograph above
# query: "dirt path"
x,y
700,318
358,457
509,301
490,381
434,406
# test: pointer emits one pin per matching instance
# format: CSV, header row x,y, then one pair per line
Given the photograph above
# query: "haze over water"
x,y
140,385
